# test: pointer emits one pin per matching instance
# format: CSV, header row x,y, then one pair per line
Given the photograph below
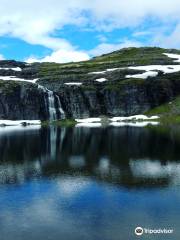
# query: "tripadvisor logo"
x,y
139,231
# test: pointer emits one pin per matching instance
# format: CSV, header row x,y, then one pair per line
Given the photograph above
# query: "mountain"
x,y
126,82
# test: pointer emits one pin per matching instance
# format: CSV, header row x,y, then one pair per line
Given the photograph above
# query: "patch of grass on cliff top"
x,y
8,86
118,85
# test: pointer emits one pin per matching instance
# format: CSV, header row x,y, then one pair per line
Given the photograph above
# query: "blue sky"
x,y
75,30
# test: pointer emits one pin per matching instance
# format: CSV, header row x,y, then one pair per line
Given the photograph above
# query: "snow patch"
x,y
163,68
19,122
131,124
88,120
143,75
119,121
172,55
133,118
102,72
73,83
107,70
101,80
18,69
13,78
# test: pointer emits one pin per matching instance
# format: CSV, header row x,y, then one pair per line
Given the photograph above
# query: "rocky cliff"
x,y
116,84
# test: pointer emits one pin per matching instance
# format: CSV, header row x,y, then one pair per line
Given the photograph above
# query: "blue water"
x,y
74,184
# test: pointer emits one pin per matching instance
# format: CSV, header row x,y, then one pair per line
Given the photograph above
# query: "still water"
x,y
89,183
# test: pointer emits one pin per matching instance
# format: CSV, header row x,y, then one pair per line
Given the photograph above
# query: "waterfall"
x,y
61,111
52,108
50,104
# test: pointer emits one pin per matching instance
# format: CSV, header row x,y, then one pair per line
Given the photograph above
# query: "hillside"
x,y
126,82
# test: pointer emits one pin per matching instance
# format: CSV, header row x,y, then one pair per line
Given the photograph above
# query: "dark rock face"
x,y
129,99
21,101
117,96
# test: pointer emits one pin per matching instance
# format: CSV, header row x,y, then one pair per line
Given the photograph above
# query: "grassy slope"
x,y
169,112
122,58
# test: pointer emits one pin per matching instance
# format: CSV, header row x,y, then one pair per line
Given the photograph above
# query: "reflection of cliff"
x,y
110,154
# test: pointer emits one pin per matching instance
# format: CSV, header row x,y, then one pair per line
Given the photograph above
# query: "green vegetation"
x,y
168,109
133,81
60,123
170,120
169,113
119,85
8,87
122,58
88,87
140,56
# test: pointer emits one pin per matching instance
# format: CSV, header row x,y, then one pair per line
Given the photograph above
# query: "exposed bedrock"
x,y
21,101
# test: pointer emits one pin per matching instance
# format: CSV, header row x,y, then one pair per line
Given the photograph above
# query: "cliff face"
x,y
21,101
101,86
127,98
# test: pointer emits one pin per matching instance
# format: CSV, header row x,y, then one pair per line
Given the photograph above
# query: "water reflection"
x,y
88,183
126,156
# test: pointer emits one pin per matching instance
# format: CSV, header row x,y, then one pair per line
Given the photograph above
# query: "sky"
x,y
76,30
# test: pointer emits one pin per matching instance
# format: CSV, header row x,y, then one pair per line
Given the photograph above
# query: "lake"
x,y
89,183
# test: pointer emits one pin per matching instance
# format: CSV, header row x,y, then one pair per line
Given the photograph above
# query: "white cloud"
x,y
142,33
171,40
108,47
1,57
62,56
36,21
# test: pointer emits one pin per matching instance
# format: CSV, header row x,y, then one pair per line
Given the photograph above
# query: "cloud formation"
x,y
108,47
1,57
36,22
61,56
171,40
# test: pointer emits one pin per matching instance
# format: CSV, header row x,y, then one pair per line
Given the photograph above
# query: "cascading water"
x,y
61,111
52,109
50,105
